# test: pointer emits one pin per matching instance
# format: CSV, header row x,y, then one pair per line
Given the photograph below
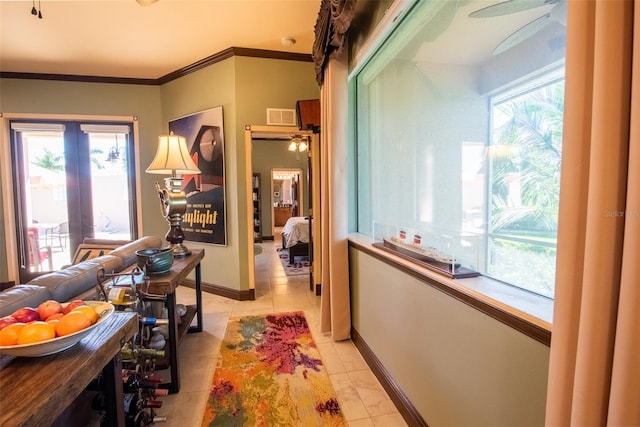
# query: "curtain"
x,y
335,311
594,372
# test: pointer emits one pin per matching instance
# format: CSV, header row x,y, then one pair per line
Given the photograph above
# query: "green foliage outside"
x,y
50,161
533,137
55,162
525,178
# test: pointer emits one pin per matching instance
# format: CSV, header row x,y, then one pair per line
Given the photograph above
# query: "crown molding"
x,y
198,65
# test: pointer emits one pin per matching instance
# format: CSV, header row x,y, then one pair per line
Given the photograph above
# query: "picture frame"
x,y
205,219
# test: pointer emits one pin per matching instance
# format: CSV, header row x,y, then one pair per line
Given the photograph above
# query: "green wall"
x,y
457,366
262,84
245,87
207,88
79,98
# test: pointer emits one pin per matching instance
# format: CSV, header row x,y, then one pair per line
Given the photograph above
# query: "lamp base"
x,y
179,250
174,204
175,237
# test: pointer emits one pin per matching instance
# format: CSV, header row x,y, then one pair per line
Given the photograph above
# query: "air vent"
x,y
281,116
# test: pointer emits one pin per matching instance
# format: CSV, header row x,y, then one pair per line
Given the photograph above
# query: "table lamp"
x,y
173,158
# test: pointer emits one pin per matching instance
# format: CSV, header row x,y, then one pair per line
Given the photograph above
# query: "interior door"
x,y
71,181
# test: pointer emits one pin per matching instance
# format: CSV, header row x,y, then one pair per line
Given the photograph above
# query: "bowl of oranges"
x,y
51,327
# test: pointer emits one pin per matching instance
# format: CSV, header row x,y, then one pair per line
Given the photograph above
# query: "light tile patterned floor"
x,y
362,398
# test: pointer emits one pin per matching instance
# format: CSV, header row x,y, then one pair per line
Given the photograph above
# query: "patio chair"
x,y
57,234
37,255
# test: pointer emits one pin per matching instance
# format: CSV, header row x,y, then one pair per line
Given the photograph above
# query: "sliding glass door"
x,y
72,181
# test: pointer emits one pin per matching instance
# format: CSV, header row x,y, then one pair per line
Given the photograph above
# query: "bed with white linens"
x,y
295,237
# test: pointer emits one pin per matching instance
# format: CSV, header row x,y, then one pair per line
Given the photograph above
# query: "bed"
x,y
295,237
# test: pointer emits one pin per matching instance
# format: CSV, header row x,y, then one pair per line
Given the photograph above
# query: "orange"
x,y
73,304
52,322
89,312
56,316
9,334
71,322
36,332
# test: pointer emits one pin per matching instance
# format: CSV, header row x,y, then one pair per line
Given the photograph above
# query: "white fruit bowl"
x,y
56,345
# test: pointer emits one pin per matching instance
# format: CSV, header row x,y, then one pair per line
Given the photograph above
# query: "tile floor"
x,y
362,399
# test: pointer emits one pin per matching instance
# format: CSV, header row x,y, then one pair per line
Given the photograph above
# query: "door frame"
x,y
6,174
314,191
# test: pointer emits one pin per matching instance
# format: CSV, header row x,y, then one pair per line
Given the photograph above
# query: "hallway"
x,y
362,399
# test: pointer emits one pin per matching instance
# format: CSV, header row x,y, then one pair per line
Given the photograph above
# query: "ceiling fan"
x,y
558,13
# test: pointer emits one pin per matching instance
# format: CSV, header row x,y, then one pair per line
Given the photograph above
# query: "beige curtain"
x,y
335,311
594,373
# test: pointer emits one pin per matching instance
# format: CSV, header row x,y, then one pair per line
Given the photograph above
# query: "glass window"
x,y
459,129
525,156
72,181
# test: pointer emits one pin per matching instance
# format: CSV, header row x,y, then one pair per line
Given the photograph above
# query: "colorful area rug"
x,y
270,374
298,268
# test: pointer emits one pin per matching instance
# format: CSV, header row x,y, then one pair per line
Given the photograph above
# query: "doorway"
x,y
287,197
72,180
308,198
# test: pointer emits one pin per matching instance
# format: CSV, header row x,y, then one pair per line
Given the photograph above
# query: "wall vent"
x,y
281,116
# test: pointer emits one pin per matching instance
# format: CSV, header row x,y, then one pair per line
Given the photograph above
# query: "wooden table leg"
x,y
113,393
174,385
198,326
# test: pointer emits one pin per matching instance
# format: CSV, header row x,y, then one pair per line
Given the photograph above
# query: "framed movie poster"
x,y
205,217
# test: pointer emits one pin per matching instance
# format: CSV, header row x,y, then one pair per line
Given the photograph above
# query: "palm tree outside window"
x,y
526,154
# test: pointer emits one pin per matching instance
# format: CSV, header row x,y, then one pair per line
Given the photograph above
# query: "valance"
x,y
331,27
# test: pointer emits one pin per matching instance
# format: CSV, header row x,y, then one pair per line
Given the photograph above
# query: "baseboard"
x,y
402,402
248,295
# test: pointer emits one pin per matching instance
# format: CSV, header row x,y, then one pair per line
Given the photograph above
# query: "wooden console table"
x,y
35,391
166,284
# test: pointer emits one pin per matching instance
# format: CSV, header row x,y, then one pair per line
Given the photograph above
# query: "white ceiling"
x,y
120,38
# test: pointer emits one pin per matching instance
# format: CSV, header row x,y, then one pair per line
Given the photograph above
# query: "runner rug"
x,y
270,373
298,268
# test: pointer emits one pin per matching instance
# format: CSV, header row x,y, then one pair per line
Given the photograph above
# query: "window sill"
x,y
527,312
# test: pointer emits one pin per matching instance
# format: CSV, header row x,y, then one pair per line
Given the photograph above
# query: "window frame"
x,y
6,174
523,310
78,196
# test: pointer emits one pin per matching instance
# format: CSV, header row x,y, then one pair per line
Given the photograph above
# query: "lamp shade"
x,y
172,157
